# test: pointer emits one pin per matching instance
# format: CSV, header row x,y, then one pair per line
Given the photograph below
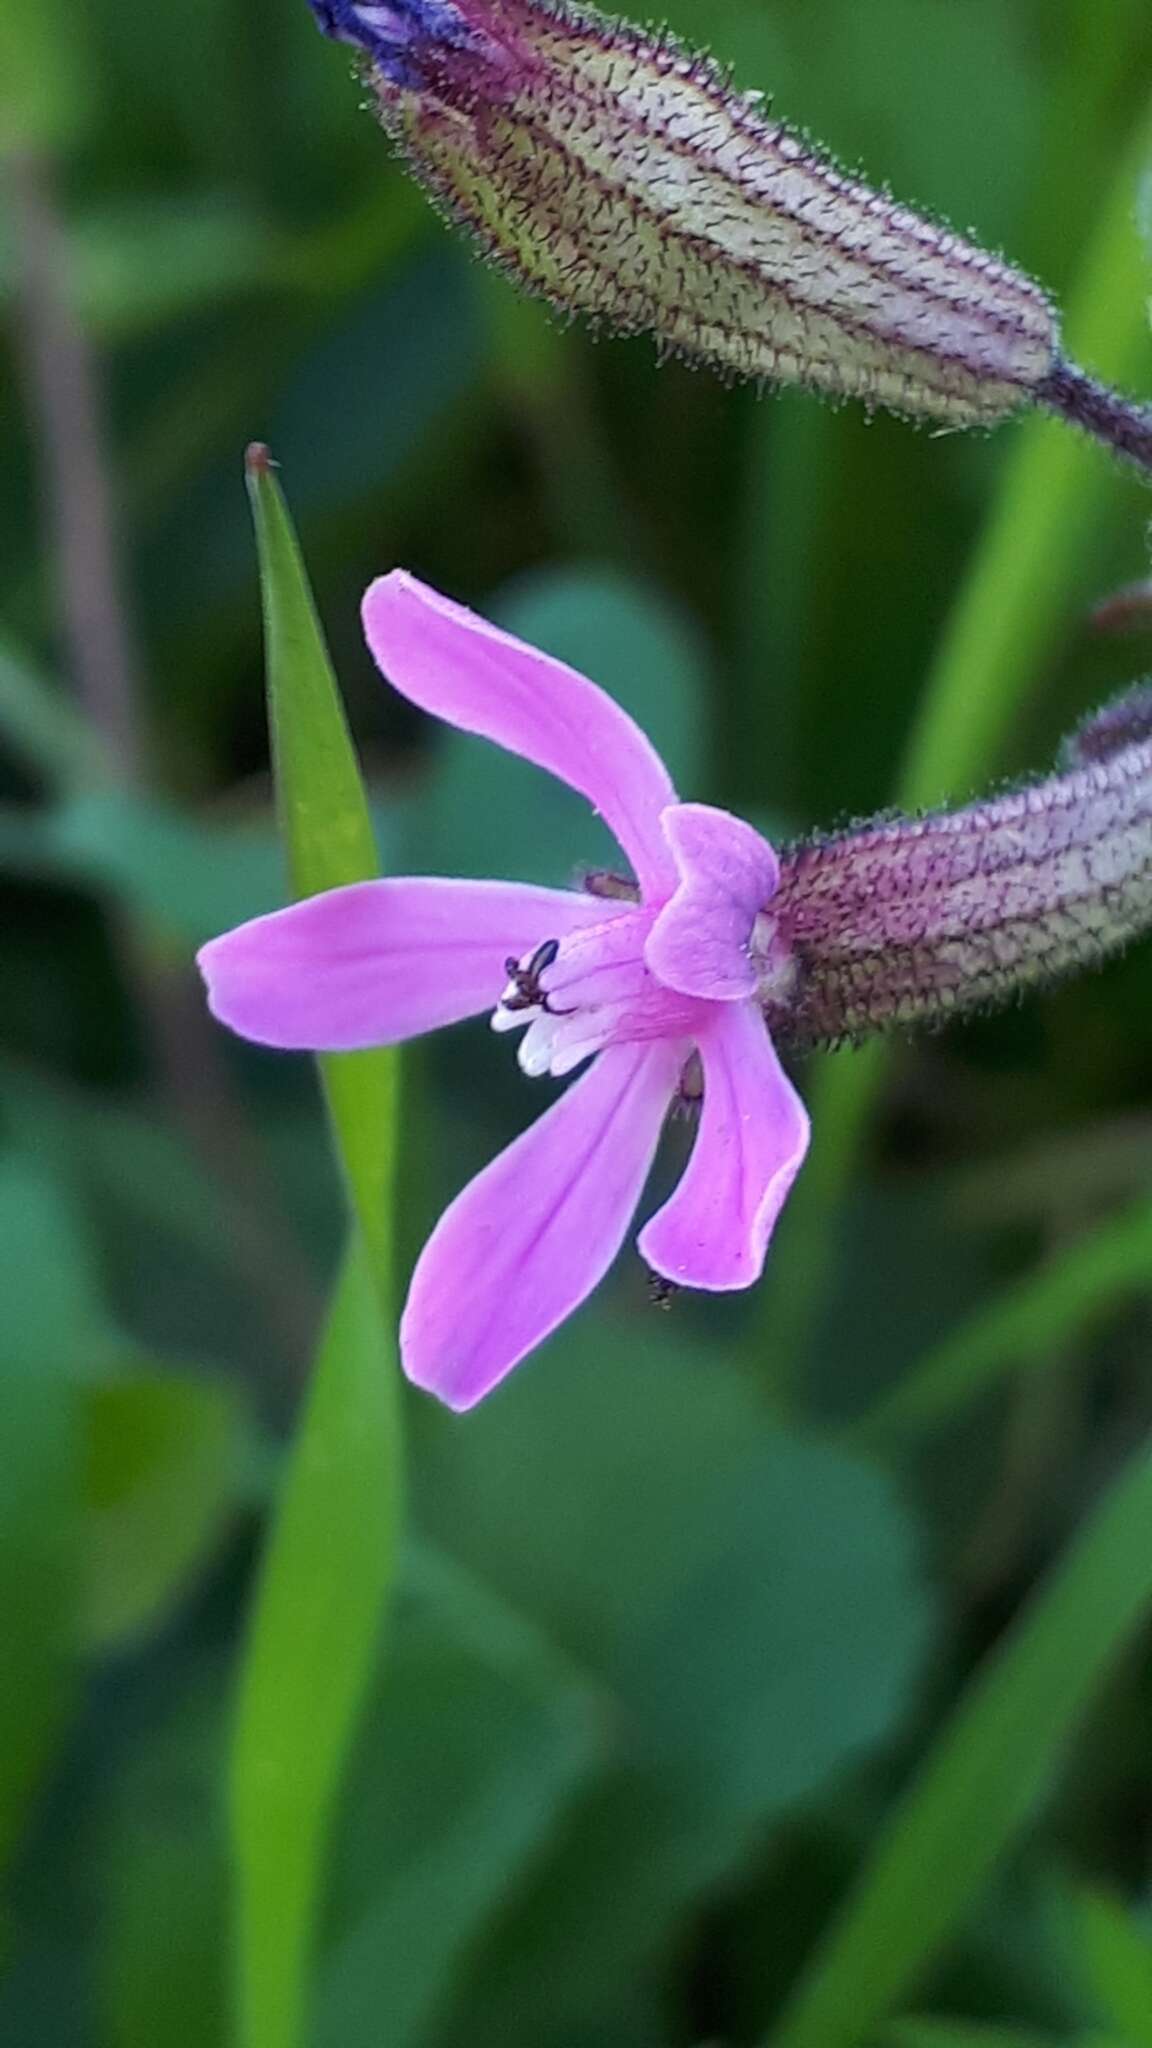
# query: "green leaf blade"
x,y
982,1781
331,1556
1022,1328
327,829
1116,1951
161,1456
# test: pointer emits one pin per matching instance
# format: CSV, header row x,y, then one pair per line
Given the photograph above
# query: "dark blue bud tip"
x,y
330,16
383,32
401,37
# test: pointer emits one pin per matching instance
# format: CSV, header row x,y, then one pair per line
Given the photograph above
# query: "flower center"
x,y
594,988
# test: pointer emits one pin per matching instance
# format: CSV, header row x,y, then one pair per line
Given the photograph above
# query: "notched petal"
x,y
701,942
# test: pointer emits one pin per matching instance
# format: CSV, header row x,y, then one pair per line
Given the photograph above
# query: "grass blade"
x,y
331,1556
1021,1327
983,1778
1111,1943
327,831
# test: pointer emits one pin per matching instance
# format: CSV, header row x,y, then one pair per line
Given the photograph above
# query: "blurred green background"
x,y
688,1619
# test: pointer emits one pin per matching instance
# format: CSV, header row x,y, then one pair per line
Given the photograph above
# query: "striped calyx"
x,y
915,920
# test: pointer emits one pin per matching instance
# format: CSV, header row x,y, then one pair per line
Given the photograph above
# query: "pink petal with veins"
x,y
465,671
536,1231
380,961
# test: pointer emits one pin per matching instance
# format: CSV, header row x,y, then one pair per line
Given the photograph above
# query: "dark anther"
x,y
526,981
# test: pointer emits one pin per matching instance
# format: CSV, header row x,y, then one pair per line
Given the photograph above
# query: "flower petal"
x,y
537,1230
465,671
714,1229
380,961
700,943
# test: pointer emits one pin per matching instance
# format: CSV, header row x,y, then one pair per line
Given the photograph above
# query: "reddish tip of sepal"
x,y
258,459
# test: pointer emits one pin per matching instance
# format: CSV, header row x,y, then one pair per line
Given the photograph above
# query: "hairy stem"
x,y
1119,422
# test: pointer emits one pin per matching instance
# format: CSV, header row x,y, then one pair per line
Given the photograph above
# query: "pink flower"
x,y
658,984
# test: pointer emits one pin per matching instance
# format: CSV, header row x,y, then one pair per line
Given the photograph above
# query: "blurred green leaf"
x,y
331,1554
748,1604
932,2033
918,60
357,244
373,386
44,80
546,396
983,1778
40,724
112,1153
157,260
188,877
489,813
51,1319
138,266
645,650
478,1739
162,1463
1116,1950
162,1960
1023,1326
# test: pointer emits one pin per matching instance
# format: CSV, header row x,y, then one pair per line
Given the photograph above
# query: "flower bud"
x,y
625,179
920,919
